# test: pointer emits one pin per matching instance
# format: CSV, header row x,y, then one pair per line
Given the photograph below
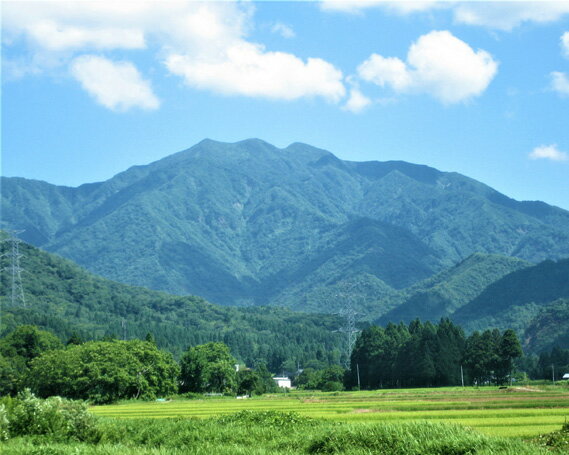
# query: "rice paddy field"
x,y
447,421
511,412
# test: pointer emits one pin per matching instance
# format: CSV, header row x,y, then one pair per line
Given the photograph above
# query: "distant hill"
x,y
443,294
251,224
65,298
549,328
523,300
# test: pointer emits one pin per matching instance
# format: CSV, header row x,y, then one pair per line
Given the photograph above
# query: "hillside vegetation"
x,y
66,299
443,294
515,300
251,224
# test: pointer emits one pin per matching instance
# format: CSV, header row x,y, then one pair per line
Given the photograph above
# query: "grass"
x,y
276,433
509,412
447,421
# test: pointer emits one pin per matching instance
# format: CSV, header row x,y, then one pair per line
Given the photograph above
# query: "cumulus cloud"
x,y
203,42
357,101
115,85
560,83
438,64
548,152
284,30
247,69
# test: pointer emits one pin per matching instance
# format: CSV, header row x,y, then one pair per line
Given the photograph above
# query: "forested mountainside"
x,y
549,328
251,224
66,299
446,292
515,300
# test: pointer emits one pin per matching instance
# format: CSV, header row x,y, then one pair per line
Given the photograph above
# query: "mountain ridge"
x,y
221,219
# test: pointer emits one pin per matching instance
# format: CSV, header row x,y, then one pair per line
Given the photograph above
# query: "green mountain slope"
x,y
549,328
248,223
515,300
443,294
65,298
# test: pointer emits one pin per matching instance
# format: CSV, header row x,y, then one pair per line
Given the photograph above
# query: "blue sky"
x,y
92,88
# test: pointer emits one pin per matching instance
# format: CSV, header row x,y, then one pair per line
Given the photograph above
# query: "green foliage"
x,y
328,380
489,357
554,362
443,294
58,418
208,368
422,355
17,350
556,441
28,342
69,301
517,299
549,328
267,418
420,438
104,372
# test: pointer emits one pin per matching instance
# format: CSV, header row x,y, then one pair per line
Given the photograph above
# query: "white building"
x,y
566,376
283,382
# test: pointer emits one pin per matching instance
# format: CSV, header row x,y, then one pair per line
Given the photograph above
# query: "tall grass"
x,y
274,433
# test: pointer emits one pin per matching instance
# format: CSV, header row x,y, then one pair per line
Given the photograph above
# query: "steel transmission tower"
x,y
17,297
349,328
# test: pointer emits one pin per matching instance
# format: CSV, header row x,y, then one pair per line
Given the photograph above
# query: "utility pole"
x,y
123,325
553,373
358,371
461,376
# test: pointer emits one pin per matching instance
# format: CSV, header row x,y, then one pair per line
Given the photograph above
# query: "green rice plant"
x,y
420,438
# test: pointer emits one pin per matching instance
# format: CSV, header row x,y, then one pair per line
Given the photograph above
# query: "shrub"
x,y
56,417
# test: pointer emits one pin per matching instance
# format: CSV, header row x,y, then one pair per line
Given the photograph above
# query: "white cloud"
x,y
116,85
203,42
565,44
247,69
548,152
386,71
509,14
357,101
438,64
284,30
560,83
501,15
399,6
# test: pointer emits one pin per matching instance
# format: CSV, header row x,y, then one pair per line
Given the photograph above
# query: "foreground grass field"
x,y
512,412
447,421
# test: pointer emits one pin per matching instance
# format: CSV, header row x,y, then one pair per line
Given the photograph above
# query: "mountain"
x,y
549,328
251,224
520,300
66,299
443,294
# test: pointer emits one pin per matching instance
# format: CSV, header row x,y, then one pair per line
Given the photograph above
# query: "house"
x,y
283,382
565,376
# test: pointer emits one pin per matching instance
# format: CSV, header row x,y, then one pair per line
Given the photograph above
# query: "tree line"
x,y
109,370
399,355
427,355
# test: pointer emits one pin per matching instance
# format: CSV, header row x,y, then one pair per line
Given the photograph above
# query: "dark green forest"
x,y
66,299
